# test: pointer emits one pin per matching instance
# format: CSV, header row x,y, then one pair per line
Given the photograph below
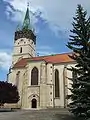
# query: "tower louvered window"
x,y
21,50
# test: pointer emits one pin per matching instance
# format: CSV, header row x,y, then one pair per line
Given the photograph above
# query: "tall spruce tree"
x,y
79,43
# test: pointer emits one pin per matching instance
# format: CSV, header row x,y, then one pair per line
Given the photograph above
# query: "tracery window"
x,y
34,76
57,94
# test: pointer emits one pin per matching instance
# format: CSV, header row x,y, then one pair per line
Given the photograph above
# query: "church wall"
x,y
12,79
44,92
31,65
16,58
28,49
24,91
33,92
64,83
49,73
43,85
40,89
50,85
49,95
59,102
23,41
32,50
44,89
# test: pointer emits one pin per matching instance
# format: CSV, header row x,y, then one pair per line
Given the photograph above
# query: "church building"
x,y
42,81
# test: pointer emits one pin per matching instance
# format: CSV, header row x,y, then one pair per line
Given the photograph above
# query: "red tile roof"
x,y
57,58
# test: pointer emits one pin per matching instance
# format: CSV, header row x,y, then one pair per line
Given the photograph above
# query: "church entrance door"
x,y
34,103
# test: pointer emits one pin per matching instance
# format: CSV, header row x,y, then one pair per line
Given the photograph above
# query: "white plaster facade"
x,y
28,49
44,92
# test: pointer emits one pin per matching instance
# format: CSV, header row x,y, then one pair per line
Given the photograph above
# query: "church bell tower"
x,y
24,40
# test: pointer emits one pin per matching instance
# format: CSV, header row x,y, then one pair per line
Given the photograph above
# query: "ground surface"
x,y
51,114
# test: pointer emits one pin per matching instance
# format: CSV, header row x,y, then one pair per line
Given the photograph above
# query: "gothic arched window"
x,y
57,94
21,50
17,78
34,76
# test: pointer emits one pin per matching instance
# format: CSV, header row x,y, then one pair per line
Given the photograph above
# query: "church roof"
x,y
54,59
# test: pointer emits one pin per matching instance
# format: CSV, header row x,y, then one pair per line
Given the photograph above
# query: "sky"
x,y
51,20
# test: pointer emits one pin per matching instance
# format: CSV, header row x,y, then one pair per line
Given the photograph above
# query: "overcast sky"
x,y
52,22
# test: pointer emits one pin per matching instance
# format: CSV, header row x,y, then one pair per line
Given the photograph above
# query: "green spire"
x,y
26,22
18,28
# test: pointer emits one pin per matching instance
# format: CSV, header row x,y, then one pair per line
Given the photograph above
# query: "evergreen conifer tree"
x,y
79,43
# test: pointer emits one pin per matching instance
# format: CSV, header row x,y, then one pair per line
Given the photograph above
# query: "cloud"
x,y
5,60
57,13
15,10
14,14
45,50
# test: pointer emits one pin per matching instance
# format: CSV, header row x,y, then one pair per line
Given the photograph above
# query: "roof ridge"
x,y
53,54
45,56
